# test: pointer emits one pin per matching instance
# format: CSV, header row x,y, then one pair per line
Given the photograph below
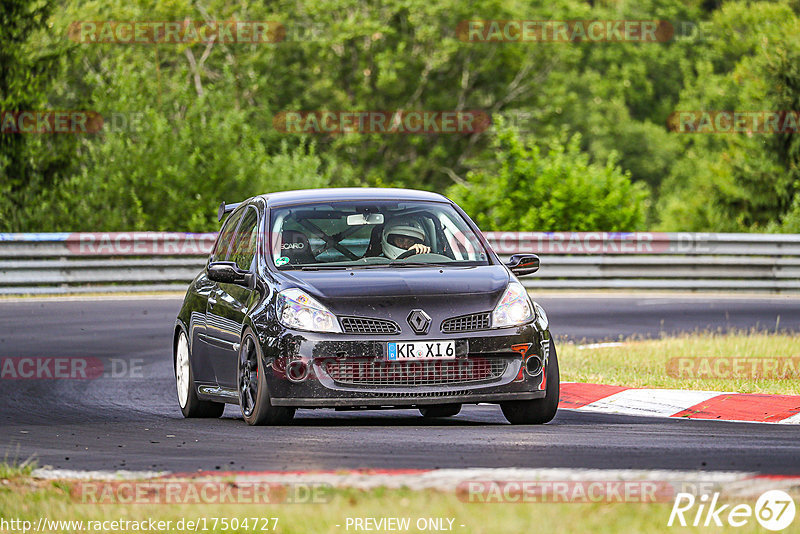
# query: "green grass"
x,y
29,499
13,469
644,363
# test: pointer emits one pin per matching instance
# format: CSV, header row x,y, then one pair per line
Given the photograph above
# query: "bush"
x,y
524,188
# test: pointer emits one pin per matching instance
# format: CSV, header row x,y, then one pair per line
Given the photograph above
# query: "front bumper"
x,y
351,371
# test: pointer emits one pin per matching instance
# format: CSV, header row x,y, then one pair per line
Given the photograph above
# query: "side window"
x,y
225,236
243,249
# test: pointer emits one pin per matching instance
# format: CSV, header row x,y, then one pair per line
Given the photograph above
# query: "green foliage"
x,y
618,95
791,221
29,165
126,186
525,188
191,130
205,131
739,182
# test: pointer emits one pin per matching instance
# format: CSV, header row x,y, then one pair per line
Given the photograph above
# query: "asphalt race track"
x,y
133,422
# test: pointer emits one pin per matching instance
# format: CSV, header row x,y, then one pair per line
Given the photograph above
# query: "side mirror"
x,y
226,272
522,264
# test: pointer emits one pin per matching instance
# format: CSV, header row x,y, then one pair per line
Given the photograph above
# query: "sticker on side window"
x,y
283,260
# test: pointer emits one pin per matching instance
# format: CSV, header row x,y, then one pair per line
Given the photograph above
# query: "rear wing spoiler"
x,y
226,208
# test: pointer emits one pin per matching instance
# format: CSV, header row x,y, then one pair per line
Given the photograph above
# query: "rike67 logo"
x,y
774,510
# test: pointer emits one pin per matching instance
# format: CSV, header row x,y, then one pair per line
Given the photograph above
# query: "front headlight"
x,y
296,309
514,308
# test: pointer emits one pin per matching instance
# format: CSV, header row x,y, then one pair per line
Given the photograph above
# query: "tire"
x,y
253,393
537,411
439,410
190,405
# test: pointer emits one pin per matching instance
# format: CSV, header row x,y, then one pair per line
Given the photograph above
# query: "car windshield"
x,y
341,235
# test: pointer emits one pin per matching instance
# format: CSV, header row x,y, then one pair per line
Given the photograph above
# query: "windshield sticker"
x,y
283,260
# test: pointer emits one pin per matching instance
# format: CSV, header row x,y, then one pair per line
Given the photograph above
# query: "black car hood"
x,y
391,293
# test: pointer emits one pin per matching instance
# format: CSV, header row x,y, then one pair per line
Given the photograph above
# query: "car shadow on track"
x,y
469,417
337,420
479,416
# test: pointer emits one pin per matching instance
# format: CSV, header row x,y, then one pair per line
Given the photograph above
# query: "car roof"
x,y
350,193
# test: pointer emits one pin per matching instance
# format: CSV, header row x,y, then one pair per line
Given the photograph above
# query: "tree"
x,y
524,188
739,182
28,164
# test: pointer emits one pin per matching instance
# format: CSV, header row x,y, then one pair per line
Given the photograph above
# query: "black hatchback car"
x,y
360,299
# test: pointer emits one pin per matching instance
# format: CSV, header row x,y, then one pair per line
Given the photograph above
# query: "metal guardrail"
x,y
157,261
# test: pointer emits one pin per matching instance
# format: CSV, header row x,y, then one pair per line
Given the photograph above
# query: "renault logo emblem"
x,y
420,321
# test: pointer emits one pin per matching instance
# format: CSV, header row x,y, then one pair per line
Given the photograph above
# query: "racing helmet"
x,y
395,231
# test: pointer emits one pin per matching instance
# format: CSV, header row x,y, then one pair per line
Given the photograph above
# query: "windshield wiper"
x,y
325,267
394,263
401,263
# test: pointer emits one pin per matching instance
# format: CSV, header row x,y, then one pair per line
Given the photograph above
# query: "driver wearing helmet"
x,y
400,237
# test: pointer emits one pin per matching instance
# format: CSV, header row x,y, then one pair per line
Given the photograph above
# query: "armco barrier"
x,y
156,261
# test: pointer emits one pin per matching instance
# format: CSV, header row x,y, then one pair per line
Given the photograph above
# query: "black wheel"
x,y
439,410
253,393
190,405
537,411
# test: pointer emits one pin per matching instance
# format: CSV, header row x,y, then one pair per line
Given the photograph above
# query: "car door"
x,y
206,289
227,305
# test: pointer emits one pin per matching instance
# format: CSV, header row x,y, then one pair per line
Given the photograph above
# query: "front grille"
x,y
406,394
361,325
415,373
467,323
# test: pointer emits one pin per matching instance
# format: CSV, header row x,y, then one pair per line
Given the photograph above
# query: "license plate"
x,y
422,350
